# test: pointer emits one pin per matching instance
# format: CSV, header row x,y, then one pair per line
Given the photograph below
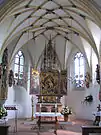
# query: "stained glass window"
x,y
79,70
18,67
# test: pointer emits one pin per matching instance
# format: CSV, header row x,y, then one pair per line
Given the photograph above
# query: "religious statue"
x,y
4,75
11,78
87,79
98,74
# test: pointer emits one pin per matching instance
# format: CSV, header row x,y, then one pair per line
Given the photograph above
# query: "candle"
x,y
32,98
55,108
40,105
42,98
55,105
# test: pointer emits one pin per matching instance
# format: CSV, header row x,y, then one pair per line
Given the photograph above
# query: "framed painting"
x,y
49,83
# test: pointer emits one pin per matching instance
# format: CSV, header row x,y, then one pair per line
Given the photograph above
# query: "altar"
x,y
47,114
52,121
53,86
48,107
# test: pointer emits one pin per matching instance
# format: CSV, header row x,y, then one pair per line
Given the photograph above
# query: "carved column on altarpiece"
x,y
4,76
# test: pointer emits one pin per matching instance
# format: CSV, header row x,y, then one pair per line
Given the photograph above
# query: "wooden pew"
x,y
90,129
4,129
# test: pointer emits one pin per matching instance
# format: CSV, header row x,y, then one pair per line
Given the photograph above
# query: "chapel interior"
x,y
50,58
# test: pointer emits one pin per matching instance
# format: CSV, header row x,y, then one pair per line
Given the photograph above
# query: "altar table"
x,y
48,114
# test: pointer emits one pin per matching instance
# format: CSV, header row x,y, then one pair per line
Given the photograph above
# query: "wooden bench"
x,y
4,129
90,129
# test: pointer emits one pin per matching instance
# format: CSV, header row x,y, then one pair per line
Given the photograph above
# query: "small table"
x,y
48,114
13,108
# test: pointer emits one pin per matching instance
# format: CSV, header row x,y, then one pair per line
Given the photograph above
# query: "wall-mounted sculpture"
x,y
4,75
63,82
10,78
87,79
98,74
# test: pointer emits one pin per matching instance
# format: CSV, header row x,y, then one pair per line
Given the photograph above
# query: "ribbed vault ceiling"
x,y
58,18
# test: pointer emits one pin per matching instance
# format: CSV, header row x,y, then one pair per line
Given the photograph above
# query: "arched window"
x,y
79,70
18,67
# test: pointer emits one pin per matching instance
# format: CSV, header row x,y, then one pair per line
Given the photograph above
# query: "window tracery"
x,y
79,70
19,68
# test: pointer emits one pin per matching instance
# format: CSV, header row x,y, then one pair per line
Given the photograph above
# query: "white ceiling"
x,y
36,20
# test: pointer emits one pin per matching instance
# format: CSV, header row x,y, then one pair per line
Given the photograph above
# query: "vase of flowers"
x,y
66,111
3,112
88,99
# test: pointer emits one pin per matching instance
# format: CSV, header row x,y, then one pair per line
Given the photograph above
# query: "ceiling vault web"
x,y
54,16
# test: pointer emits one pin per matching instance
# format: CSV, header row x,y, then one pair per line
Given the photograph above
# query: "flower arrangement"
x,y
66,111
88,99
3,112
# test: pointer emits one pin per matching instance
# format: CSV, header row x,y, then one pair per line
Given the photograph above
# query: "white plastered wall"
x,y
76,96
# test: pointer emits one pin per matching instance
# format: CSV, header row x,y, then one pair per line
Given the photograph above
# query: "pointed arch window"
x,y
79,69
19,67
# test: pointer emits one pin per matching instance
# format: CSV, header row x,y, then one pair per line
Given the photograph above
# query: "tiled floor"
x,y
25,129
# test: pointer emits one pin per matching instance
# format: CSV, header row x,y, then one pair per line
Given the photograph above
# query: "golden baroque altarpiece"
x,y
52,80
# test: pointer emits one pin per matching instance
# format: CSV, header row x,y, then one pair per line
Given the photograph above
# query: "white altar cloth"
x,y
47,114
